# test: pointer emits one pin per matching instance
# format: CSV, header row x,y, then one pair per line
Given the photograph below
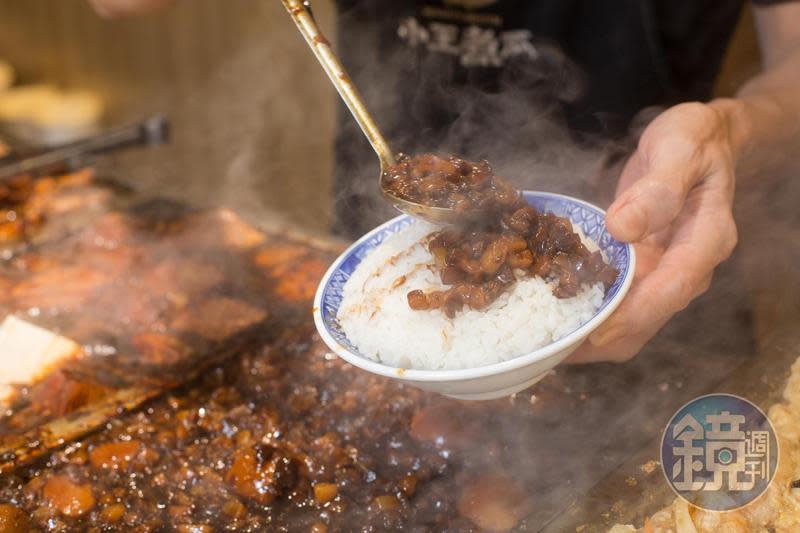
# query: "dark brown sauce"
x,y
449,182
281,437
502,240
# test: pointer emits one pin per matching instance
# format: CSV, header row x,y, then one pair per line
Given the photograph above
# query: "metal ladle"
x,y
300,10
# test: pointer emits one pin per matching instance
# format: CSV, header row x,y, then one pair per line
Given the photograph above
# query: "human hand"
x,y
674,203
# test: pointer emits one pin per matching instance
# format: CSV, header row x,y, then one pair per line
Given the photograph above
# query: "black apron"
x,y
501,79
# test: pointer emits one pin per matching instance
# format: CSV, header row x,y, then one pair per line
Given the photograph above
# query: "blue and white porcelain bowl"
x,y
489,381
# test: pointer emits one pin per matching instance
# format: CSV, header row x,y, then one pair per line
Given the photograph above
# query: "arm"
x,y
119,8
766,113
675,194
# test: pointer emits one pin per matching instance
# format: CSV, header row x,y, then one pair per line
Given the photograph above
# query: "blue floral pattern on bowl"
x,y
589,218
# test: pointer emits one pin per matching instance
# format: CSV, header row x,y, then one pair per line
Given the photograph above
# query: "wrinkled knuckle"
x,y
703,124
683,143
684,294
672,190
691,109
664,196
666,138
720,158
712,115
704,286
703,113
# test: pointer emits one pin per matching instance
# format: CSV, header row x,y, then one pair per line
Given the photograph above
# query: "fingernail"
x,y
629,221
606,335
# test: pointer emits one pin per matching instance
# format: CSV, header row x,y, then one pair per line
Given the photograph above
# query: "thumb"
x,y
652,194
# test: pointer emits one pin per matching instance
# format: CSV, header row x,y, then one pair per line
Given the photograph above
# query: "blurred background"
x,y
252,114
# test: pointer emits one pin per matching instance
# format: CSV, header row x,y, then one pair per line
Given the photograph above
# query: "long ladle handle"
x,y
299,10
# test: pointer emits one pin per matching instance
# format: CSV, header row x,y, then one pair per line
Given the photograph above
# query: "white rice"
x,y
377,319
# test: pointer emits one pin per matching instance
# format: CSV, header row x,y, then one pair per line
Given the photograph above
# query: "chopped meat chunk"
x,y
494,502
58,289
70,498
182,275
161,348
13,519
261,473
501,240
114,455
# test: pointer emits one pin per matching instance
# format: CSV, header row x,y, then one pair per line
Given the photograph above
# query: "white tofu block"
x,y
28,351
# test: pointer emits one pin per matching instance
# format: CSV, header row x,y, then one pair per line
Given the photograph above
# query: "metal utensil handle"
x,y
152,131
299,10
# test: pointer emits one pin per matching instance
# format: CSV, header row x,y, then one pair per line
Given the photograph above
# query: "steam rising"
x,y
251,111
564,435
518,123
251,133
582,423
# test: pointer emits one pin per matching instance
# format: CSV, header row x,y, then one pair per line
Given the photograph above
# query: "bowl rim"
x,y
463,374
